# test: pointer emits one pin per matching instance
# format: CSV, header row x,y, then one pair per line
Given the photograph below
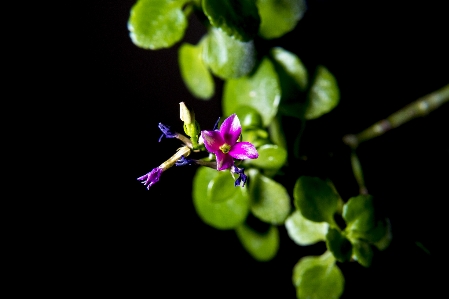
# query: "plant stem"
x,y
358,173
418,108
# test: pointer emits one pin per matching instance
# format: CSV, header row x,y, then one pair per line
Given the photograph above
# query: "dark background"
x,y
124,240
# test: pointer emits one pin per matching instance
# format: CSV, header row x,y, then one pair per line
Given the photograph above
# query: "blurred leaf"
x,y
222,215
318,277
362,253
221,187
385,241
260,91
249,117
303,231
262,247
358,213
291,68
340,247
270,201
238,18
156,24
324,94
316,200
279,16
271,156
227,57
194,72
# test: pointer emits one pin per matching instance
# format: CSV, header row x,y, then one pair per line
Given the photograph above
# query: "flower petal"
x,y
224,161
243,150
212,141
230,129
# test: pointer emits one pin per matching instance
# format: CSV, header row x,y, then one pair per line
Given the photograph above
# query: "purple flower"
x,y
242,176
223,143
152,177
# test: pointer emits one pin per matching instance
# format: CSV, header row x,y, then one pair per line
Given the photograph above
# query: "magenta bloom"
x,y
152,177
223,143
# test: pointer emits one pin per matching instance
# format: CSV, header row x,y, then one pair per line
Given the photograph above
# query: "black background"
x,y
121,239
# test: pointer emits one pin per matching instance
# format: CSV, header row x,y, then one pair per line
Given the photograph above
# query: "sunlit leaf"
x,y
155,24
279,16
261,246
362,253
316,200
194,72
221,187
270,201
226,214
238,18
303,231
271,156
227,57
291,67
340,247
318,277
324,94
260,91
249,117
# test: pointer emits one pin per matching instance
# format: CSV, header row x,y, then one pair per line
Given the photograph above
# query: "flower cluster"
x,y
224,143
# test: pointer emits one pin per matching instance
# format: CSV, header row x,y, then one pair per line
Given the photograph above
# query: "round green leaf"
x,y
156,24
271,156
262,247
303,231
238,18
249,117
194,72
270,201
292,66
324,94
385,241
222,215
316,200
260,91
227,57
340,247
362,253
358,213
221,187
279,16
318,277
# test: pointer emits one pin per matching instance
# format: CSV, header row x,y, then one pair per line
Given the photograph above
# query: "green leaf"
x,y
385,241
262,247
271,156
358,213
226,214
269,199
260,91
227,57
318,277
303,231
156,24
340,247
194,72
249,117
238,18
316,200
290,67
221,187
279,16
362,253
324,94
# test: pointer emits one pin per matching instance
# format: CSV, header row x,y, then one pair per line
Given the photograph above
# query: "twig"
x,y
419,108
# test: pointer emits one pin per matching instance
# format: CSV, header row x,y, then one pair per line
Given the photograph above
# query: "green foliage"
x,y
316,200
303,231
156,24
318,277
194,72
264,84
260,91
238,18
324,94
228,57
270,200
279,16
221,213
262,246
